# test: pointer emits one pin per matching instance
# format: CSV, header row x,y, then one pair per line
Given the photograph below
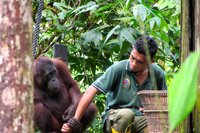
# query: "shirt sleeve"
x,y
161,81
105,82
160,77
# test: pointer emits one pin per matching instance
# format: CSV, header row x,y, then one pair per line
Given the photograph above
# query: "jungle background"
x,y
100,32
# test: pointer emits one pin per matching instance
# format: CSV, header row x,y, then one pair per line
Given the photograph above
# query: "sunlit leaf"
x,y
128,3
93,36
164,4
61,6
111,32
84,8
126,33
152,23
154,20
182,91
140,12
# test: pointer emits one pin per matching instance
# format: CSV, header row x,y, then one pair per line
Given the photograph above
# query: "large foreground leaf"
x,y
182,91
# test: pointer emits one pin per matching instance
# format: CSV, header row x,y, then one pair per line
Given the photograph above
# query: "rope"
x,y
37,27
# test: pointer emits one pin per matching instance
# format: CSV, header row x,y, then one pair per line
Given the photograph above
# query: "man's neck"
x,y
142,75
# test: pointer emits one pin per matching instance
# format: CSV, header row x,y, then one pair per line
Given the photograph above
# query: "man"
x,y
121,82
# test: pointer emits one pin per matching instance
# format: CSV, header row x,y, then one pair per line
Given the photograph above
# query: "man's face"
x,y
138,62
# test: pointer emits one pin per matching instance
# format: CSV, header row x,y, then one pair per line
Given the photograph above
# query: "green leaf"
x,y
126,33
140,12
104,8
164,37
151,22
111,32
182,91
164,4
154,20
88,7
61,6
93,36
128,3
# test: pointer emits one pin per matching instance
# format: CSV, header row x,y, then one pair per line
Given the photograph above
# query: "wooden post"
x,y
16,82
60,51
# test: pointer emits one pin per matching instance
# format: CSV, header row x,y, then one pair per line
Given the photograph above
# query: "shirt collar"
x,y
129,69
128,66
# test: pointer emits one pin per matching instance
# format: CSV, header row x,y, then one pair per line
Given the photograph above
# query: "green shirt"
x,y
121,86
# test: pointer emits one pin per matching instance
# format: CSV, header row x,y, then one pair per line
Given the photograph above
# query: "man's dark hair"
x,y
140,43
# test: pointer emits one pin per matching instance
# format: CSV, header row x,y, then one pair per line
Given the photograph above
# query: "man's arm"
x,y
84,103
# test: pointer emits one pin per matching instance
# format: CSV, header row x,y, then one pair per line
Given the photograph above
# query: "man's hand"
x,y
142,110
66,128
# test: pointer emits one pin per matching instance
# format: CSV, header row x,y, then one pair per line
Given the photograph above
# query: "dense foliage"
x,y
100,32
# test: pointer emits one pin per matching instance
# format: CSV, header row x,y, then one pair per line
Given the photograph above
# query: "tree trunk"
x,y
196,40
186,43
191,42
16,82
185,29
